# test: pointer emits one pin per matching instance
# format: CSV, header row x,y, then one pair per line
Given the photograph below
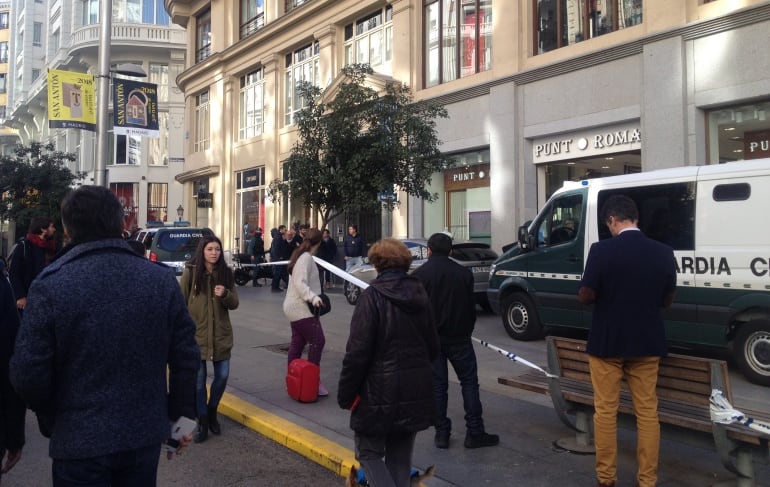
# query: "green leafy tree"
x,y
359,144
33,182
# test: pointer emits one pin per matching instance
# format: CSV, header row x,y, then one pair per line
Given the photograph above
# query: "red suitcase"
x,y
302,380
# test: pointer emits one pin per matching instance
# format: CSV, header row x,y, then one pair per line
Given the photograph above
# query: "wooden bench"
x,y
684,388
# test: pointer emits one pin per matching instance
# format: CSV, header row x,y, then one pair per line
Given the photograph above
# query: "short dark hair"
x,y
354,227
92,213
440,244
621,207
38,224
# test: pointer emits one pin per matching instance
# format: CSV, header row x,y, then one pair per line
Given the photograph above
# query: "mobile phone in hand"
x,y
182,427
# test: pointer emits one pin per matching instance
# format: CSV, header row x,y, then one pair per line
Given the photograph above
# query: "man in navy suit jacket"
x,y
629,279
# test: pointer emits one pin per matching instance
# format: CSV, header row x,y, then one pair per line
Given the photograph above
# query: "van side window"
x,y
666,212
731,192
561,222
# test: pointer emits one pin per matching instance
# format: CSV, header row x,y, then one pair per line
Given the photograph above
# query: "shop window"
x,y
203,36
457,38
252,105
250,201
157,202
739,132
128,194
369,40
301,65
560,23
252,16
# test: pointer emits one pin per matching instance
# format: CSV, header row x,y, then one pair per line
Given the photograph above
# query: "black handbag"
x,y
326,306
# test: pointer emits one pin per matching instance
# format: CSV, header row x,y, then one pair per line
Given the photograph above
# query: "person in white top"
x,y
305,287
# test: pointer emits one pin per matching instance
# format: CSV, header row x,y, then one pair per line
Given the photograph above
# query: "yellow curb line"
x,y
315,447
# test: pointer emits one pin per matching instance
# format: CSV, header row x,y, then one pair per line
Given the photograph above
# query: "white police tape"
x,y
723,412
363,285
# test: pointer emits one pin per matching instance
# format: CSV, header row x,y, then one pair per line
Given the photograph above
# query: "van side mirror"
x,y
525,242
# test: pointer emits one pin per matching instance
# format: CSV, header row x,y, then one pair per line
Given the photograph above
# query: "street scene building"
x,y
538,92
64,35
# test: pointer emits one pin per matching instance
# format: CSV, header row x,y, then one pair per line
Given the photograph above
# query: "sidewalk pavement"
x,y
256,397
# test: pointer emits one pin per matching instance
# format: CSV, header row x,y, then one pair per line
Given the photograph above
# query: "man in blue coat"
x,y
102,326
629,278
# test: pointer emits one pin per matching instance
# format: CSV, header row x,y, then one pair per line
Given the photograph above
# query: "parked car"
x,y
172,246
476,256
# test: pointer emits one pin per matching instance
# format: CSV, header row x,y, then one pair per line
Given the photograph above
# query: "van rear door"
x,y
555,265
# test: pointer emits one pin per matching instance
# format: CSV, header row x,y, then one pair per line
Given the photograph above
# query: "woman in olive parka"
x,y
209,289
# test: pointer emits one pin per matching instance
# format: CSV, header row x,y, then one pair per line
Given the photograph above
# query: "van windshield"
x,y
180,240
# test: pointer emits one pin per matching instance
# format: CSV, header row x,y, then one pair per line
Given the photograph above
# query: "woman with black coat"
x,y
386,379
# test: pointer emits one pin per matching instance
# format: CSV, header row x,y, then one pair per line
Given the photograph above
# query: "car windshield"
x,y
181,240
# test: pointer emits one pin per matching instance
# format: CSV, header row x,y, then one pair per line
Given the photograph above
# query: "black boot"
x,y
213,422
203,430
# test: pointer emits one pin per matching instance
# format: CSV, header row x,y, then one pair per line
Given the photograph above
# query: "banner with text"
x,y
135,108
71,100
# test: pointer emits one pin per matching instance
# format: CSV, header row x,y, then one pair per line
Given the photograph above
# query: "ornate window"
x,y
458,39
369,40
560,23
202,122
301,65
203,36
252,105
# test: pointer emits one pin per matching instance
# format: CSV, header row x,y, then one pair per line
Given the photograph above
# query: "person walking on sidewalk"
x,y
628,278
31,254
209,288
354,247
12,407
450,289
280,250
386,379
305,287
257,247
106,350
327,252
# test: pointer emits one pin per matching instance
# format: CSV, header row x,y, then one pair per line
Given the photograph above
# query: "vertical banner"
x,y
135,108
71,100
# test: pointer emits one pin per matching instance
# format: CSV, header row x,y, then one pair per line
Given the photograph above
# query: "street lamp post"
x,y
103,94
180,212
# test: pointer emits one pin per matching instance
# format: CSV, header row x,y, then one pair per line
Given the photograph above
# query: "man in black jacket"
x,y
12,408
450,289
32,253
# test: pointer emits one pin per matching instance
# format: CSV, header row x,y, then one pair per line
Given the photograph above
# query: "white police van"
x,y
714,217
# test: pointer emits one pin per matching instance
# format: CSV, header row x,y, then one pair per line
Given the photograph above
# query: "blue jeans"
x,y
221,373
463,360
122,469
352,262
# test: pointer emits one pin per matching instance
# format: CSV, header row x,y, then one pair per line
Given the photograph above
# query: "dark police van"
x,y
173,246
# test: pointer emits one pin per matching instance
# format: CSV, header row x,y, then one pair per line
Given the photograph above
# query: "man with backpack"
x,y
29,256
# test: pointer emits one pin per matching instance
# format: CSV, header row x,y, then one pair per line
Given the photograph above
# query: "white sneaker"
x,y
322,391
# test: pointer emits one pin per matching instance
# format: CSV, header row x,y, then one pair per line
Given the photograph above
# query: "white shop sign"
x,y
587,143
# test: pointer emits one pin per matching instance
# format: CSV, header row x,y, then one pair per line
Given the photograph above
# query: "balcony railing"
x,y
203,53
131,34
252,25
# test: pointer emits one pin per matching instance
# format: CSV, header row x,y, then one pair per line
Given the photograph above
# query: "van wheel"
x,y
752,351
520,318
352,292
